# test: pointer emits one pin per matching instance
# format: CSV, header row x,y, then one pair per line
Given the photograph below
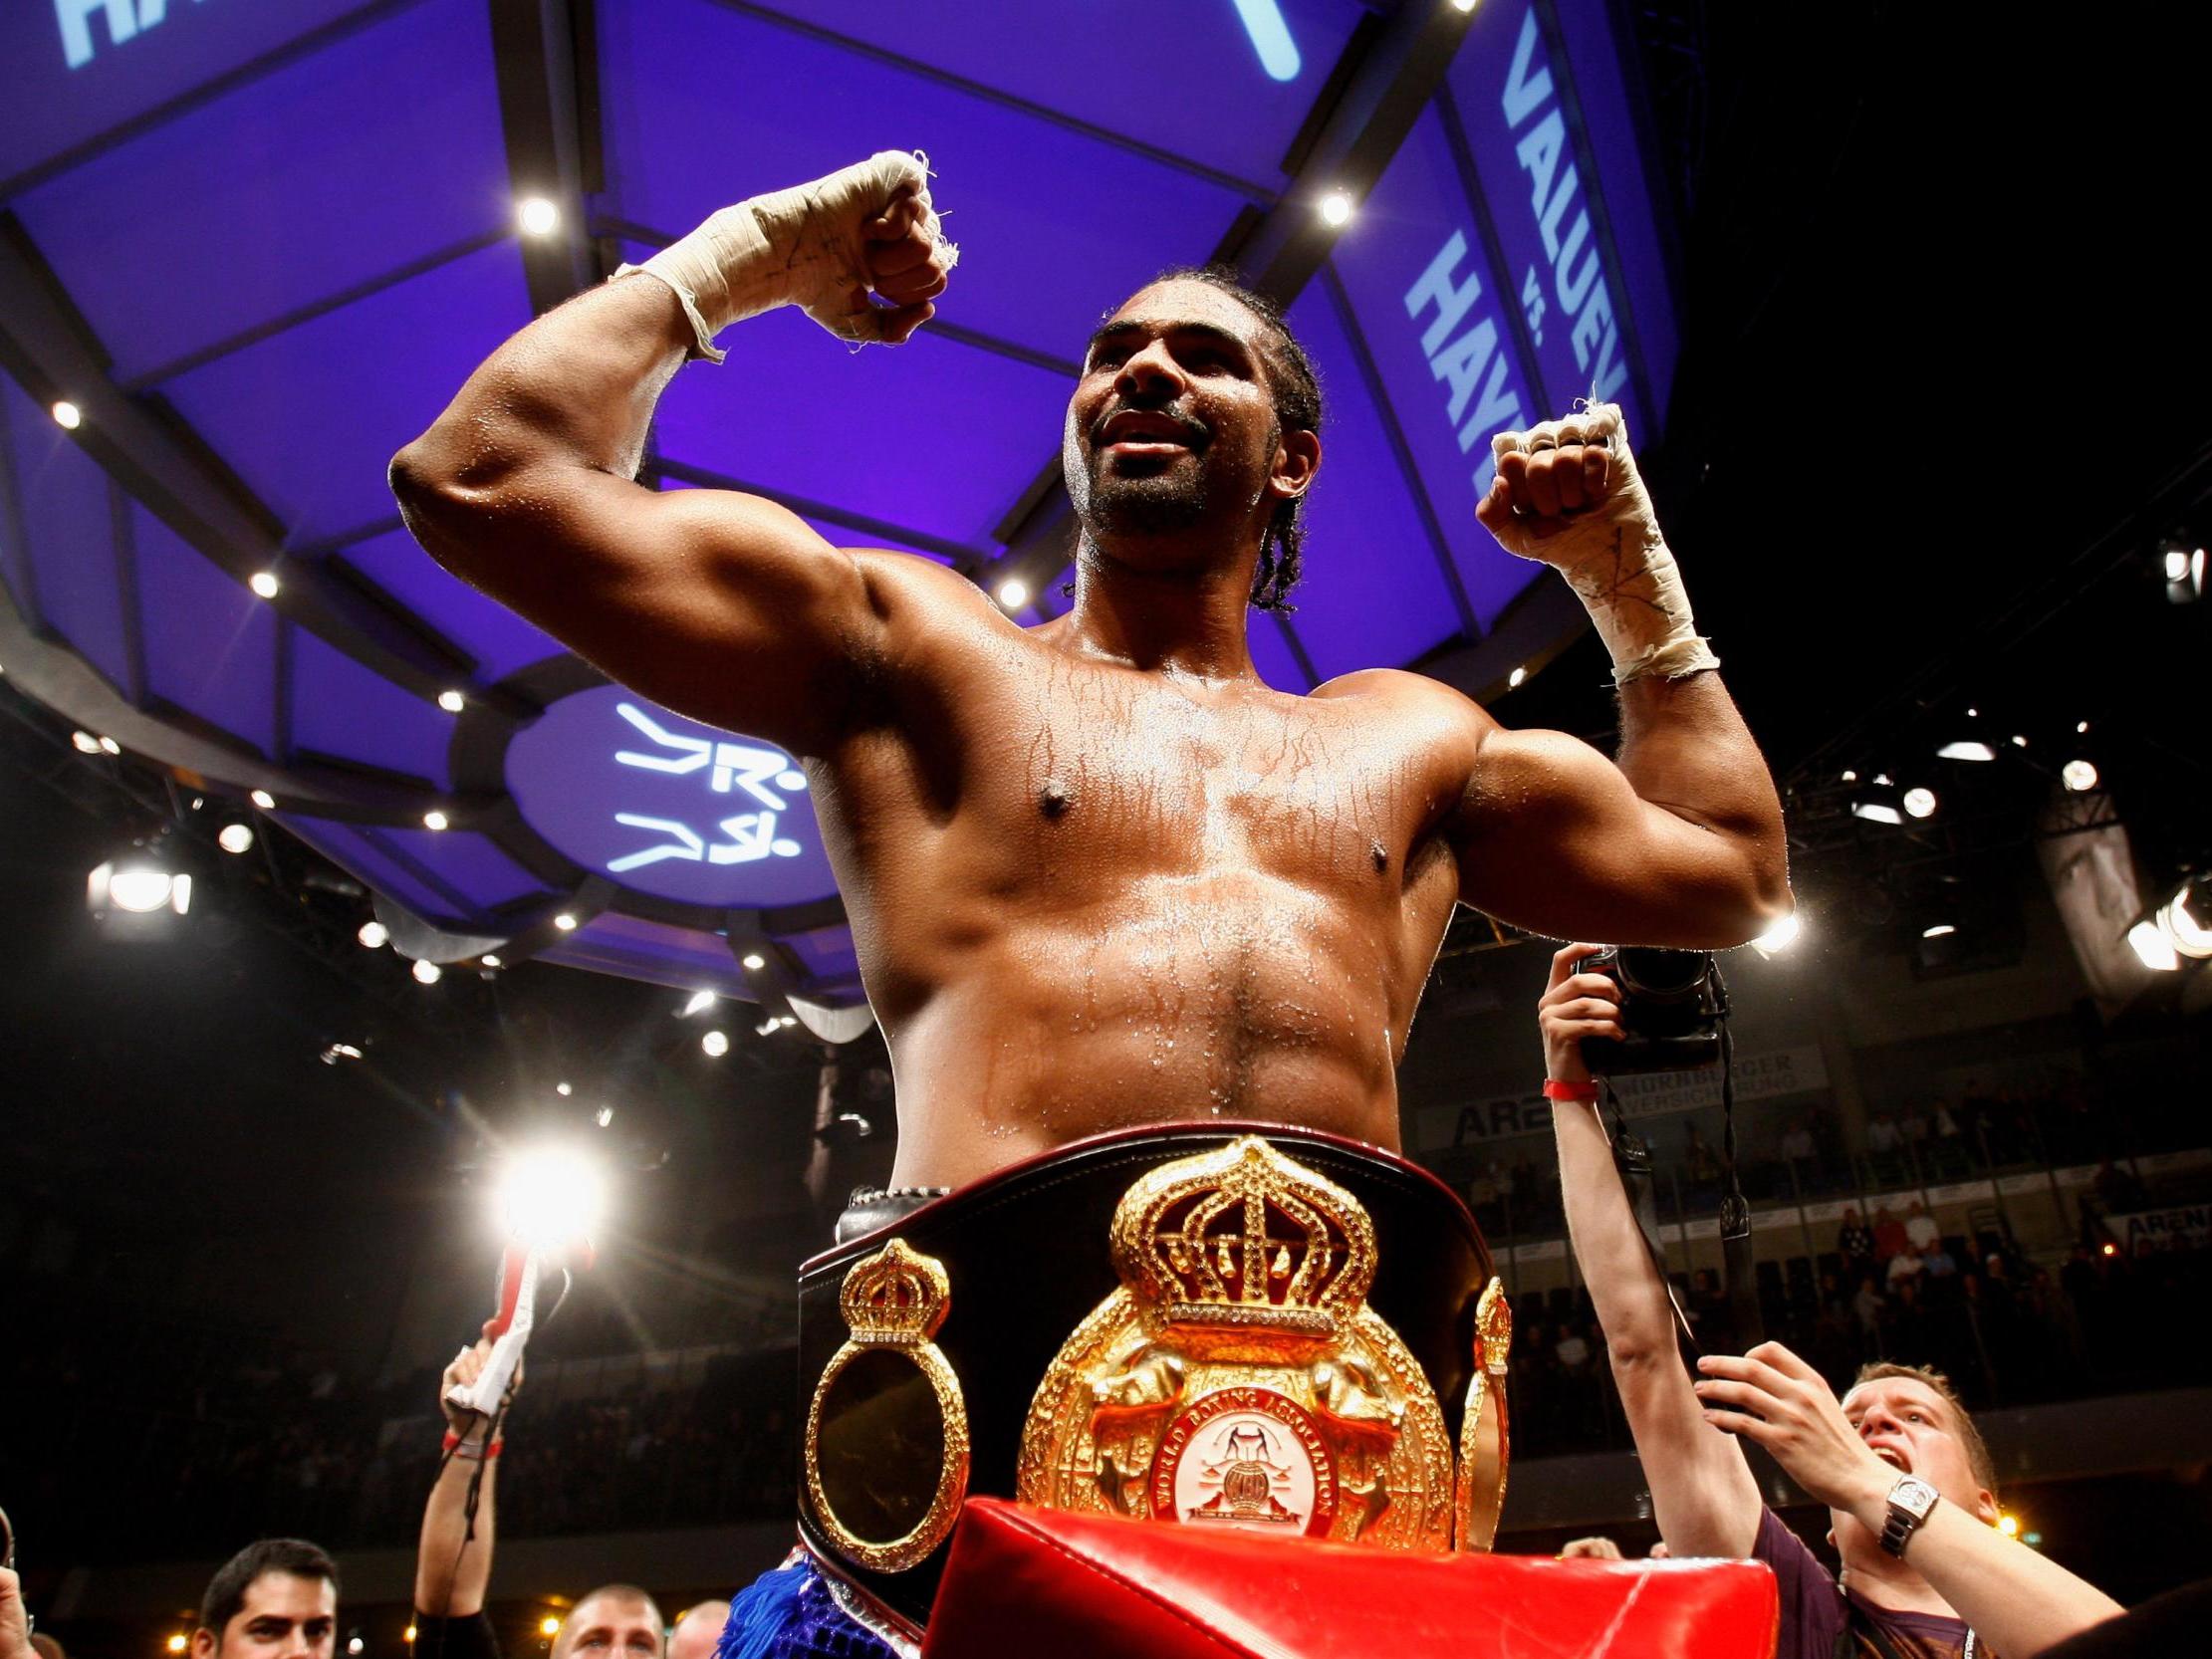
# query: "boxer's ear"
x,y
1297,459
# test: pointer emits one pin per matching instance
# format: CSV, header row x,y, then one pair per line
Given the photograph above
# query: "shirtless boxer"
x,y
1098,872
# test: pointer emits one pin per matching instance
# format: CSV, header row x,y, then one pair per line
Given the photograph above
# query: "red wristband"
x,y
1557,1088
455,1446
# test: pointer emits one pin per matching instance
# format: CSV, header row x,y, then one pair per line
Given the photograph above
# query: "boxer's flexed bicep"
x,y
1551,837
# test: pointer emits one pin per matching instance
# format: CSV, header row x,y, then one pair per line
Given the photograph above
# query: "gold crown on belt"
x,y
895,1298
1245,1237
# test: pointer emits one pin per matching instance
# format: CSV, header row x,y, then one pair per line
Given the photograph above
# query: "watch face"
x,y
1913,1494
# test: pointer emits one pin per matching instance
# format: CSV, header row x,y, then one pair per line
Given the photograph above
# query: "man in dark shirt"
x,y
453,1564
1908,1484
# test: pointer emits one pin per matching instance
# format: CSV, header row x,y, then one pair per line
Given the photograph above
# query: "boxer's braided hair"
x,y
1297,389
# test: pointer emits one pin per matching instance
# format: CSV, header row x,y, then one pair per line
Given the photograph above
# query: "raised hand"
x,y
1575,1006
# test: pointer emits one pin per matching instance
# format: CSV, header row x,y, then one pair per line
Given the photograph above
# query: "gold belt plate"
x,y
1236,1376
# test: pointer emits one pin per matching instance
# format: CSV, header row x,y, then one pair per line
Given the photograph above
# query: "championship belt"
x,y
1235,1328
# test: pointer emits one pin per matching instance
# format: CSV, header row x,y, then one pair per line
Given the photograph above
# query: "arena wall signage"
x,y
667,806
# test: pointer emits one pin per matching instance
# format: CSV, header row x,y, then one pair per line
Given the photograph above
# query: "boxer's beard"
x,y
1159,498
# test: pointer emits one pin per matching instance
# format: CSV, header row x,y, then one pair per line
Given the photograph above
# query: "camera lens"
x,y
1664,974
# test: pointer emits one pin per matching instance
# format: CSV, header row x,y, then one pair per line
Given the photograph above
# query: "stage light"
x,y
338,1051
1920,803
264,582
1882,777
264,800
1516,680
563,1089
353,1647
1940,930
565,923
538,217
67,415
755,961
2186,922
604,1116
1878,812
2078,776
491,961
2018,741
549,1626
409,1638
2152,948
426,973
1336,209
1778,937
108,746
374,935
2009,1524
700,1002
175,1644
434,820
2176,557
549,1194
1013,592
235,838
1973,714
140,889
1966,751
716,1044
83,743
452,702
2081,727
2111,1249
1463,5
1847,776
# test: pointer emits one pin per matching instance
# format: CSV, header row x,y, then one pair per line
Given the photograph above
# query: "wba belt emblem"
x,y
1237,1377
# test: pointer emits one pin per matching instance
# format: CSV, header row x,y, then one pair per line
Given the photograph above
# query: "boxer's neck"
x,y
1189,618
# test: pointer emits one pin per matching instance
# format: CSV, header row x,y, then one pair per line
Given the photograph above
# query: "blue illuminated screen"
x,y
667,806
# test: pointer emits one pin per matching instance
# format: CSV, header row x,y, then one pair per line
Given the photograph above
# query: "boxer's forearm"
x,y
1686,748
574,390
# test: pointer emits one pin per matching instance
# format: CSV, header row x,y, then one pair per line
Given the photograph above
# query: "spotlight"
x,y
2184,920
435,820
700,1002
604,1116
452,702
264,800
68,416
716,1044
83,743
549,1626
235,838
1940,930
1336,209
1966,751
138,888
565,923
264,582
1847,776
2152,948
1878,812
428,973
1778,937
108,746
2111,1249
374,935
549,1195
755,961
1463,5
1920,803
538,217
491,961
2020,742
2080,728
338,1051
177,1643
1973,714
2009,1524
1013,592
353,1647
409,1638
2078,776
1516,680
562,1089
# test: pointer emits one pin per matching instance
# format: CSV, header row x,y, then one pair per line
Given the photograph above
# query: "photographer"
x,y
453,1563
1899,1464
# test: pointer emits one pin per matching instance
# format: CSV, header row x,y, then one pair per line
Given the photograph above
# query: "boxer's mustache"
x,y
1192,431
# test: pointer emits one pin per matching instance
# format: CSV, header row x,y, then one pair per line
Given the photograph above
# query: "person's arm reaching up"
x,y
1679,841
721,605
1702,1493
452,1569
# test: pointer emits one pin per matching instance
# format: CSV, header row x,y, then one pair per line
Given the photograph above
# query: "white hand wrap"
x,y
801,246
1614,556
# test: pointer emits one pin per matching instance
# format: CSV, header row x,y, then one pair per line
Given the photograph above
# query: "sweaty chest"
x,y
1121,778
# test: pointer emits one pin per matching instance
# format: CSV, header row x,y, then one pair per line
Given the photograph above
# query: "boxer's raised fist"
x,y
869,228
1563,488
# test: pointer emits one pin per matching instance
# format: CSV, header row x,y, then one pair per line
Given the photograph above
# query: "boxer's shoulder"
x,y
1399,691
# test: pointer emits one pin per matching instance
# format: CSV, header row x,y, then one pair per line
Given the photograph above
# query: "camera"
x,y
1671,1005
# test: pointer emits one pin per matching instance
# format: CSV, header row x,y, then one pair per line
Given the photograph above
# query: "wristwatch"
x,y
1910,1500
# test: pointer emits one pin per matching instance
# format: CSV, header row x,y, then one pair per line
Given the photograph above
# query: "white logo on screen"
x,y
125,19
766,775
